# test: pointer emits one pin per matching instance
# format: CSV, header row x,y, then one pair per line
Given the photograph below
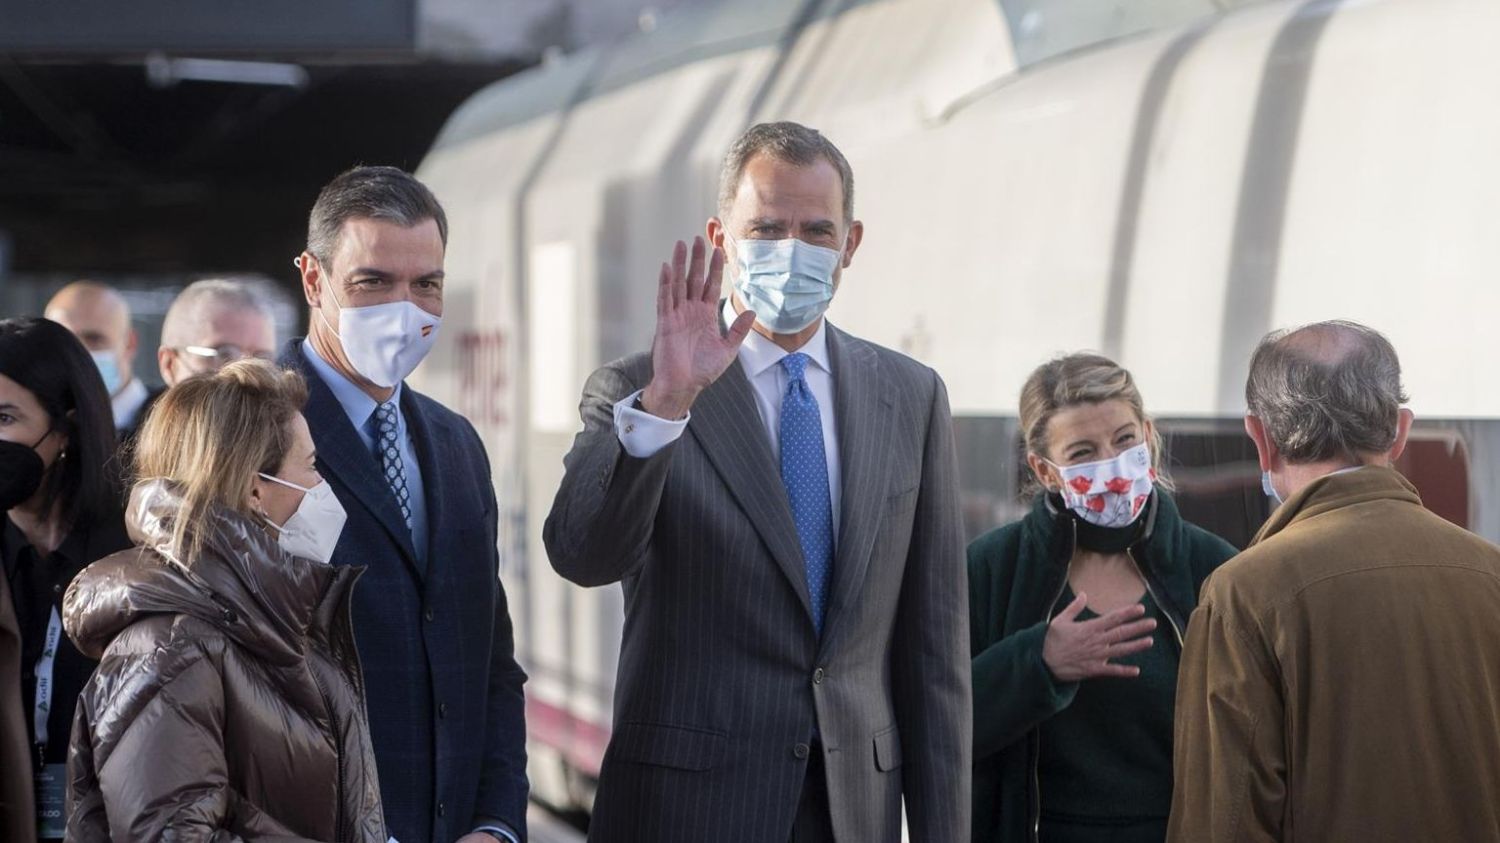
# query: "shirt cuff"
x,y
501,830
642,434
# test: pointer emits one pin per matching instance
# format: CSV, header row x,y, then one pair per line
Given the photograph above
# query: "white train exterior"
x,y
1029,185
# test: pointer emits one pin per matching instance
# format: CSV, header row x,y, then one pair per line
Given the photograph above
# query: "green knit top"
x,y
1106,759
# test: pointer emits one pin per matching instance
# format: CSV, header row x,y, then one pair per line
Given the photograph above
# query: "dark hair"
x,y
793,143
49,362
1331,389
378,193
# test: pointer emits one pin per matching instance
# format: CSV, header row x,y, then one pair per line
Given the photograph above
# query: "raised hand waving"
x,y
690,351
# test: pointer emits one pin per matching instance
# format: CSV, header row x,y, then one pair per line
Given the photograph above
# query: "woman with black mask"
x,y
1076,614
60,495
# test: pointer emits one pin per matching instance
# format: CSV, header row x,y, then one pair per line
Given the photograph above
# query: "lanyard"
x,y
44,666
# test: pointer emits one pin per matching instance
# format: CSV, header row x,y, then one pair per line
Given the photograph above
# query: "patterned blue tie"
x,y
390,456
804,472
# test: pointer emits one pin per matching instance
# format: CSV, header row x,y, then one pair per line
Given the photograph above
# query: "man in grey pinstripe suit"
x,y
779,500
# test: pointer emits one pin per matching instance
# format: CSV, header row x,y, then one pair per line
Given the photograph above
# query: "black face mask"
x,y
1103,539
21,472
1109,539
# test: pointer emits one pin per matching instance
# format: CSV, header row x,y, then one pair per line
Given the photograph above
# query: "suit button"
x,y
818,676
442,709
429,615
442,809
800,751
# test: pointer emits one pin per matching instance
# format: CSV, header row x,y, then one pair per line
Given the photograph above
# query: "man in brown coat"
x,y
1341,678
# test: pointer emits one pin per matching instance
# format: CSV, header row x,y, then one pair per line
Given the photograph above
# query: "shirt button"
x,y
800,751
630,428
818,676
442,709
429,615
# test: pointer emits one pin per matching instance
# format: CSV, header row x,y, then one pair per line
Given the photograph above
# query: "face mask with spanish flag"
x,y
1109,493
386,342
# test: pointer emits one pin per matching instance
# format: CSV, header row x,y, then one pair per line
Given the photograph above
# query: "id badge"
x,y
51,793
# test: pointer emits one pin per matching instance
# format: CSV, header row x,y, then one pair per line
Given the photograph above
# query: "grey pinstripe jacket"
x,y
722,678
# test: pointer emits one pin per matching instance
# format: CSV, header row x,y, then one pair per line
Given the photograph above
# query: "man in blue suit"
x,y
447,715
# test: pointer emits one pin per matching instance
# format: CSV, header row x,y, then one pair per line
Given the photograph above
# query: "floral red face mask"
x,y
1109,493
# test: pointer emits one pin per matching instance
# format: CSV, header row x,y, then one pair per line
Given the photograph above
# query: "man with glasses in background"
x,y
212,323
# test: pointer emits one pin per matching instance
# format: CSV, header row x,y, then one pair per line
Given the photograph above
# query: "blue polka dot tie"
x,y
804,472
390,456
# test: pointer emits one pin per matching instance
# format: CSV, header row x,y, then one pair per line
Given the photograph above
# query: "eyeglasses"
x,y
217,356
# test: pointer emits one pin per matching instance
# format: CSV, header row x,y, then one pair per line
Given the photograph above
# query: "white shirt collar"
x,y
357,404
128,403
757,354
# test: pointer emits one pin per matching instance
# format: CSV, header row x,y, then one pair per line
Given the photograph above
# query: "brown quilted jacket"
x,y
228,704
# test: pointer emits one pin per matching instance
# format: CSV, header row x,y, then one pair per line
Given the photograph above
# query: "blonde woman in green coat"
x,y
1076,615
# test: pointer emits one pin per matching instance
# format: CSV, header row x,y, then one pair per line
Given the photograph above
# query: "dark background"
x,y
101,173
265,26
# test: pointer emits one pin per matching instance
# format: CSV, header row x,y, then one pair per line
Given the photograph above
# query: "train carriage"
x,y
1161,181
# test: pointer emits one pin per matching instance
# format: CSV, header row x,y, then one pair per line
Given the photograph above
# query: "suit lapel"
x,y
727,424
342,454
863,418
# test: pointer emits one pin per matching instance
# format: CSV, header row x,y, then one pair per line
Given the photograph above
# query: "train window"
x,y
1217,474
989,471
1437,463
553,291
1212,462
1456,467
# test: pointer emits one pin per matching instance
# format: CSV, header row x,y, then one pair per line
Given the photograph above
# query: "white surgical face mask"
x,y
1112,492
788,284
1270,489
314,529
109,369
385,342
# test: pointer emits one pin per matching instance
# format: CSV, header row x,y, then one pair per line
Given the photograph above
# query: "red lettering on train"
x,y
484,378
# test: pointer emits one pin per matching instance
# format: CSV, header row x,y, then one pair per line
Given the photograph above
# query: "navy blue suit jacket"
x,y
447,715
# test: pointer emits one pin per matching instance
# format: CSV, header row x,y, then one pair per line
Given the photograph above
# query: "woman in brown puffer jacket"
x,y
228,703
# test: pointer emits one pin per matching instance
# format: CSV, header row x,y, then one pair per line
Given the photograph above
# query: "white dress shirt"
x,y
360,408
128,403
643,434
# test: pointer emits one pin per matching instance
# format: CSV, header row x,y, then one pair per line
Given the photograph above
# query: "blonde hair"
x,y
212,433
1072,380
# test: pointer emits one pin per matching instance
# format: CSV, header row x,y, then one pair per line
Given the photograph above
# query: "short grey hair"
x,y
1327,390
190,310
379,193
790,142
